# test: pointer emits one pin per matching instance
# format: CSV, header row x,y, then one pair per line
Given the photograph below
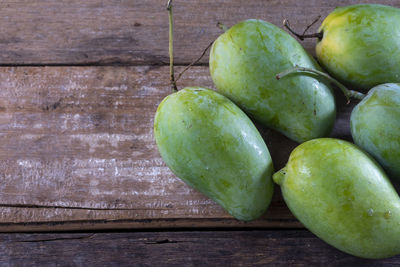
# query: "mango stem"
x,y
279,176
171,52
171,47
194,62
347,93
303,36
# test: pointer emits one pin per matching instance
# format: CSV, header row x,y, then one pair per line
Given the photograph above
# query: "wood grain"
x,y
77,152
216,248
132,32
77,149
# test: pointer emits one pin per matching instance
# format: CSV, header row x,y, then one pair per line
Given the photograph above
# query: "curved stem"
x,y
347,93
171,47
194,62
171,52
310,25
303,36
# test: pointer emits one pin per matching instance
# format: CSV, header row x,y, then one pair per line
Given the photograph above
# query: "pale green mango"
x,y
208,142
244,62
343,196
360,45
375,126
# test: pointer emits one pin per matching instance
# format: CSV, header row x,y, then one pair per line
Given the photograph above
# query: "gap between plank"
x,y
100,64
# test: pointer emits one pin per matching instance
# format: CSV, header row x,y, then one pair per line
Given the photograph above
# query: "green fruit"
x,y
208,142
375,126
243,64
342,195
360,45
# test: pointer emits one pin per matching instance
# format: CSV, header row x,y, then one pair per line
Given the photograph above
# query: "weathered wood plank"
x,y
217,248
77,151
135,32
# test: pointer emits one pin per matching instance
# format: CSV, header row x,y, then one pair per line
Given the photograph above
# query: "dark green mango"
x,y
360,45
208,142
375,126
343,196
244,62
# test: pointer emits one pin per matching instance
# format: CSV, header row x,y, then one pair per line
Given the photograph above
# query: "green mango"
x,y
375,126
244,62
210,143
360,45
343,196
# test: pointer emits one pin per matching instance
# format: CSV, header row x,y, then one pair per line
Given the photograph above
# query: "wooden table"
x,y
80,172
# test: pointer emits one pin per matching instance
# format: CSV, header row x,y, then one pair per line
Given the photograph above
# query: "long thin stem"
x,y
310,25
171,47
347,93
194,62
171,52
303,36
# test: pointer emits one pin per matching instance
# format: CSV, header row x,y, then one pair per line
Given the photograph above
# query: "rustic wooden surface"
x,y
80,82
78,152
135,31
77,148
208,248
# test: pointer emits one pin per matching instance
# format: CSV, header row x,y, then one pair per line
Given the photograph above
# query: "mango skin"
x,y
375,126
244,62
361,45
343,196
209,143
